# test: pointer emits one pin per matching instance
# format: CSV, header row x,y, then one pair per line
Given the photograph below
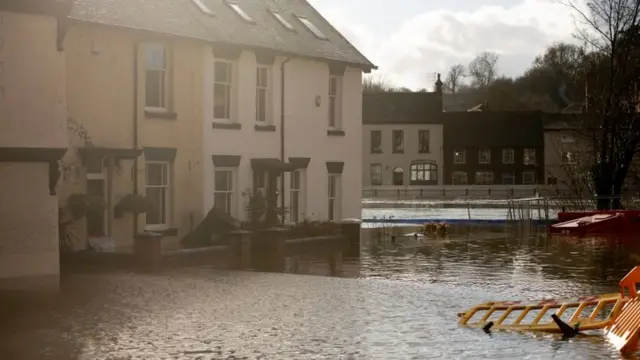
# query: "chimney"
x,y
439,92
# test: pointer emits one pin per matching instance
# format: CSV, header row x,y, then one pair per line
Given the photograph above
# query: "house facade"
x,y
402,142
185,107
33,138
499,149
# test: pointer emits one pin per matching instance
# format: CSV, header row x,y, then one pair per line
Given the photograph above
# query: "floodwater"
x,y
398,302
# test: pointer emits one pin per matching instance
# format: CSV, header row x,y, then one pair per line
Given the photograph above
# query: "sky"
x,y
412,40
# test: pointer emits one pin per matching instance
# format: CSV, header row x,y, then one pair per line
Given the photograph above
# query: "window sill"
x,y
376,151
398,152
424,152
264,127
168,231
227,125
169,115
335,132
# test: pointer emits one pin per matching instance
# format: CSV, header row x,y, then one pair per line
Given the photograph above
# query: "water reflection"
x,y
399,301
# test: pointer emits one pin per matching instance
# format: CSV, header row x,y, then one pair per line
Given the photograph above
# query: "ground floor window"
x,y
334,196
158,192
459,178
528,178
424,173
484,178
376,174
508,178
295,195
223,191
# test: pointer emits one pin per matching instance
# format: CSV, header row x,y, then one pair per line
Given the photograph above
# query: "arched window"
x,y
424,173
398,176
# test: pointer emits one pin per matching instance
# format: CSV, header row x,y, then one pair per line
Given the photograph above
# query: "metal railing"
x,y
460,192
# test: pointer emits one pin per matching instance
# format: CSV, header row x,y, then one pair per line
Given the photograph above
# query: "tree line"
x,y
598,79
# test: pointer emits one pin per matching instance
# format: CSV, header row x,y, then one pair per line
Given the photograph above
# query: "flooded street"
x,y
398,302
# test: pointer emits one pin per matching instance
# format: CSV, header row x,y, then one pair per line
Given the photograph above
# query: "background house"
x,y
402,141
494,148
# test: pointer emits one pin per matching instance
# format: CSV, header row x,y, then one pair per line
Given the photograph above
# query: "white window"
x,y
296,200
156,76
459,178
528,178
568,157
484,178
508,178
262,94
203,7
508,156
334,101
313,28
484,156
158,192
459,156
529,156
240,12
223,198
376,174
222,90
334,196
282,20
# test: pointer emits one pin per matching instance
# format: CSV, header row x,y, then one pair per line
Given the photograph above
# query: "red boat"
x,y
607,222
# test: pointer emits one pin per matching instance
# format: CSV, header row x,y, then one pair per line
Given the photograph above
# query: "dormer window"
x,y
282,21
240,12
312,27
204,8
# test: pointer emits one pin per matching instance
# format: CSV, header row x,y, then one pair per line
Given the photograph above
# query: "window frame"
x,y
371,174
336,98
508,174
165,70
167,195
464,156
508,156
299,215
457,173
527,159
232,192
312,28
483,151
395,150
414,169
420,137
266,90
373,150
230,86
484,172
572,160
335,210
533,177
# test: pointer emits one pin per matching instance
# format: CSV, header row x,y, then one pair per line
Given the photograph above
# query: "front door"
x,y
97,186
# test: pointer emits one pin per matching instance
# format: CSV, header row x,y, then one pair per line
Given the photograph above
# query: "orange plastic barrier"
x,y
625,330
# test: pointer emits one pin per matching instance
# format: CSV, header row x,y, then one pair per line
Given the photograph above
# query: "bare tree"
x,y
611,27
376,84
454,77
483,69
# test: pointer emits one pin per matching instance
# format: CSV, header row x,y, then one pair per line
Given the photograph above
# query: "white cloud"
x,y
430,42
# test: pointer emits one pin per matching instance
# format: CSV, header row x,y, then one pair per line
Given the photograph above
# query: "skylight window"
x,y
200,5
282,20
240,12
306,22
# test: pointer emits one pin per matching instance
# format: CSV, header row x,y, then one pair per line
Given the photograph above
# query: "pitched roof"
x,y
184,18
401,108
45,7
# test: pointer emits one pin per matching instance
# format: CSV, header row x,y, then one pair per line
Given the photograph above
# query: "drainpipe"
x,y
136,49
282,132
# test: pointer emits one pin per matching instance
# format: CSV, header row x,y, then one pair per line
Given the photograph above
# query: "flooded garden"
x,y
399,300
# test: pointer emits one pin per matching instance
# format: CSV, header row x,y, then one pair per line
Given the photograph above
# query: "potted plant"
x,y
134,204
76,208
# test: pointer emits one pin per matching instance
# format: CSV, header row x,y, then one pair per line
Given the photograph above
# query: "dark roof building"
x,y
289,27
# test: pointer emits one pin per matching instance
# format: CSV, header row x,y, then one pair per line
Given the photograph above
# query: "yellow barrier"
x,y
513,315
621,324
